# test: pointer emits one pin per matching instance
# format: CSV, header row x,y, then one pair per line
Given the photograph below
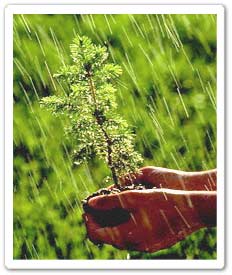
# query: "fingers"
x,y
98,234
135,236
91,226
139,230
156,219
131,200
159,177
105,202
126,200
149,175
115,235
131,178
123,236
143,175
130,236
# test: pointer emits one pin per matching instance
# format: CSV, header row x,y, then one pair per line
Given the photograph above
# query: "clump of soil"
x,y
112,217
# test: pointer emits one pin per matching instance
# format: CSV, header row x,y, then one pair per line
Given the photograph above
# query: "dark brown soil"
x,y
111,217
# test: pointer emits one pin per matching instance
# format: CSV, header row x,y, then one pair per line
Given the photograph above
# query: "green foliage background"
x,y
167,93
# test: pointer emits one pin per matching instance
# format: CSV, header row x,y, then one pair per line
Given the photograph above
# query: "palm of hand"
x,y
147,220
155,221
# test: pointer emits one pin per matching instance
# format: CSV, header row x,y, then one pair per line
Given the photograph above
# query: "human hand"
x,y
150,219
160,177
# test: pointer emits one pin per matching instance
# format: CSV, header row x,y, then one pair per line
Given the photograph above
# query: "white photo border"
x,y
10,10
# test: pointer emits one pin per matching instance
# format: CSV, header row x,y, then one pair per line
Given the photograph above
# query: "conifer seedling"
x,y
93,124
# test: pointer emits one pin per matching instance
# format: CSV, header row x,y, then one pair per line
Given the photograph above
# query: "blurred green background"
x,y
167,93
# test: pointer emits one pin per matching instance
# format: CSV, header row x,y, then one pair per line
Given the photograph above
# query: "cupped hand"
x,y
160,177
155,219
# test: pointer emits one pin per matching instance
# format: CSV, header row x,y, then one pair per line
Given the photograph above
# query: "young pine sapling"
x,y
91,109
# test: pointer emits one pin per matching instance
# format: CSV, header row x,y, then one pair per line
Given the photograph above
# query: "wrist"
x,y
202,180
196,208
205,204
